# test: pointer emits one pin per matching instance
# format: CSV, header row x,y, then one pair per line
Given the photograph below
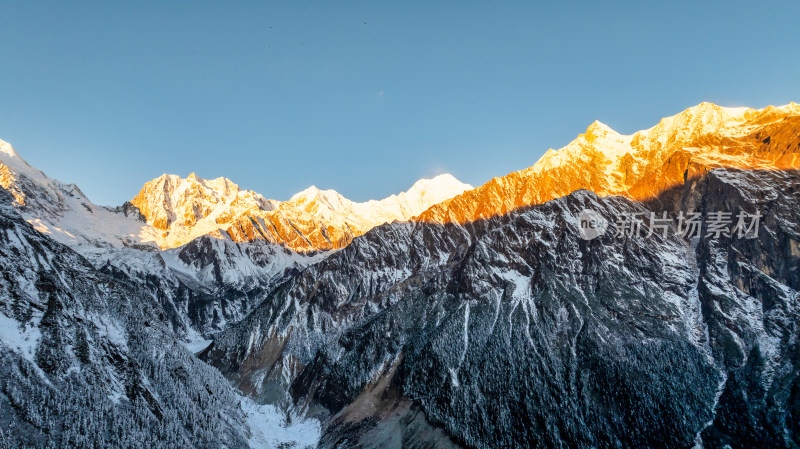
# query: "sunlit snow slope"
x,y
642,165
171,211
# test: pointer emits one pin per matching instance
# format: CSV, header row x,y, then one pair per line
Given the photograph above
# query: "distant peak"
x,y
165,177
443,182
312,193
177,180
6,148
707,105
704,107
444,177
598,129
309,191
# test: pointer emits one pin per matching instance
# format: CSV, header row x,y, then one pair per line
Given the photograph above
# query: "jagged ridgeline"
x,y
444,316
515,332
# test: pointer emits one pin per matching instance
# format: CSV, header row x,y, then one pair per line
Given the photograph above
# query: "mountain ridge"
x,y
177,210
311,220
638,165
513,331
505,330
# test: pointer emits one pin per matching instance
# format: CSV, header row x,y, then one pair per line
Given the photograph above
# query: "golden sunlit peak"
x,y
314,219
641,165
6,148
598,128
310,191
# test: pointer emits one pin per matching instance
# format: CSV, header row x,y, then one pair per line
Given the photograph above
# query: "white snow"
x,y
21,339
110,330
270,429
335,209
6,148
64,213
454,378
195,342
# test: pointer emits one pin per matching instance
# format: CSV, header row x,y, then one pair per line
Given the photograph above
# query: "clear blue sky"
x,y
359,96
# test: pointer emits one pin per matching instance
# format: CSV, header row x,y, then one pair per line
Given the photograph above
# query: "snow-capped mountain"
x,y
63,212
513,331
204,284
184,209
171,211
90,360
641,165
444,317
312,220
207,247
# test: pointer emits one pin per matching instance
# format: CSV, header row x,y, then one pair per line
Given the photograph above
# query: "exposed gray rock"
x,y
87,360
515,332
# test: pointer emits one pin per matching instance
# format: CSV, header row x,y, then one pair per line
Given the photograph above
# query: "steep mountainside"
x,y
207,283
63,212
489,322
642,165
225,247
312,220
89,361
202,285
515,332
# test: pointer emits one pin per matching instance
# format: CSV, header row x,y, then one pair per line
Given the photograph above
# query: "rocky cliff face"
x,y
208,283
515,332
